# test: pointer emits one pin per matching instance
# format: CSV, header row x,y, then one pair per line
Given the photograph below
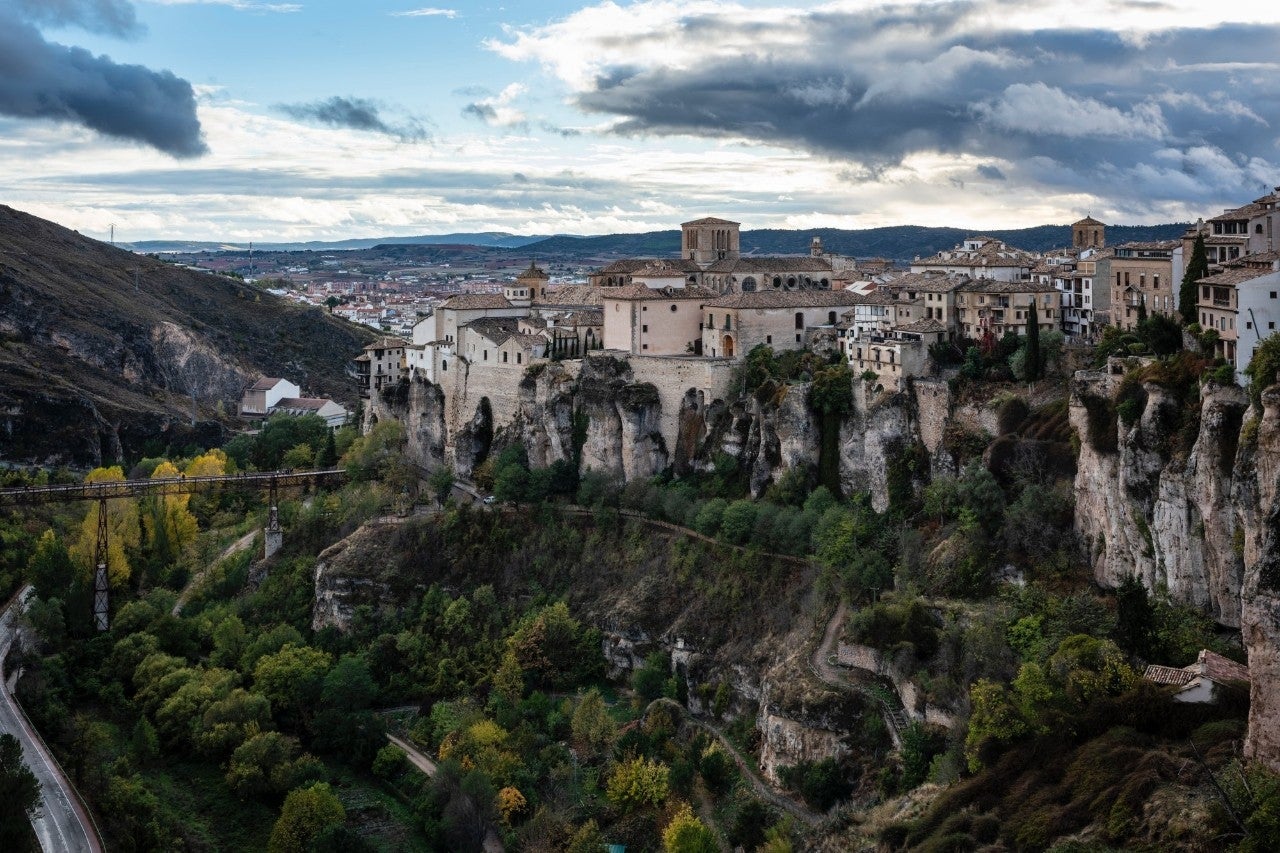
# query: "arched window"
x,y
777,281
749,284
791,282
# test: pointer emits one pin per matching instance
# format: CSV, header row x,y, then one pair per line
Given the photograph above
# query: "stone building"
x,y
260,397
735,324
1088,233
980,257
988,307
1145,274
382,363
1240,303
659,320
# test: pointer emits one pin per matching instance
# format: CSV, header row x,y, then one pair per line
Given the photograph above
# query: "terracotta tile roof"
x,y
1247,212
771,264
988,285
266,383
1235,275
923,326
932,281
641,292
660,269
496,329
709,220
789,299
475,301
1167,675
308,404
572,294
1088,220
1222,670
1158,245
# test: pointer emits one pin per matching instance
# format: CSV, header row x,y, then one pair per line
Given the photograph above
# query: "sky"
x,y
260,120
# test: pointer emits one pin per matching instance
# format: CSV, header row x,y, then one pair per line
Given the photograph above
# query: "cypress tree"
x,y
1197,268
1142,309
1032,368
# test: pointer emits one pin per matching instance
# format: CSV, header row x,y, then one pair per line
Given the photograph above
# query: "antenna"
x,y
113,233
250,259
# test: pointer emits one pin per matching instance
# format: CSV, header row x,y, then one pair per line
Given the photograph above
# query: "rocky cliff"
x,y
104,353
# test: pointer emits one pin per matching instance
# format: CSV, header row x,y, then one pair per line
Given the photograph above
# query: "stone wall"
x,y
913,701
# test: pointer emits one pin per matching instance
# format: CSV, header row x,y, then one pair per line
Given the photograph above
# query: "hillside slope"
x,y
102,351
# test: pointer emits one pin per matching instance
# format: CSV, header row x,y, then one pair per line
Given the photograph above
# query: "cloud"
x,y
497,110
428,12
52,82
109,17
875,86
238,5
355,114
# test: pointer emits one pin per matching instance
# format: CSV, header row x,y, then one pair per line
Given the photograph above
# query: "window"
x,y
799,322
1271,324
1142,280
1248,325
519,357
768,339
645,327
644,346
644,308
1273,294
728,322
1155,281
831,317
711,321
797,339
504,357
486,355
444,366
673,307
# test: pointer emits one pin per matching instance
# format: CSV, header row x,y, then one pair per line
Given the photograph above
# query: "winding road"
x,y
62,825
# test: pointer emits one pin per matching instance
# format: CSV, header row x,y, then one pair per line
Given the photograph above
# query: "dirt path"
x,y
763,789
423,762
844,678
234,548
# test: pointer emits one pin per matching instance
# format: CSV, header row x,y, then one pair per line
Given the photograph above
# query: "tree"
x,y
170,527
639,782
124,532
686,834
1032,368
19,795
1197,268
328,457
1263,367
307,812
292,679
50,568
593,729
441,482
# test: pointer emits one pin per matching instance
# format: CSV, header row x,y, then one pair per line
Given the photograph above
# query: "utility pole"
x,y
113,233
101,581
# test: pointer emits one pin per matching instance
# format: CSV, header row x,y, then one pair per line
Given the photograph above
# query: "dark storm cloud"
x,y
111,17
1183,114
991,173
355,114
43,80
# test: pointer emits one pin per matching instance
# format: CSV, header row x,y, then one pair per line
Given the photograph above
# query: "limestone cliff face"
x,y
879,429
1168,518
419,406
1260,619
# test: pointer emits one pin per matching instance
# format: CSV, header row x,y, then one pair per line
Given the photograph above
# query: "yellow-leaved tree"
x,y
212,463
123,532
170,526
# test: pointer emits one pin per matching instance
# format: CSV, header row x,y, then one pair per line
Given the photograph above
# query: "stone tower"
x,y
705,241
1088,233
534,282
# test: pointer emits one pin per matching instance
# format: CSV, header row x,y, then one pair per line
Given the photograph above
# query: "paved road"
x,y
62,824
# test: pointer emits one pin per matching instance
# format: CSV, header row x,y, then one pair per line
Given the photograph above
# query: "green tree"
x,y
19,795
1032,369
1197,268
292,679
283,433
50,567
638,782
593,729
686,834
307,812
1263,367
328,457
738,521
441,482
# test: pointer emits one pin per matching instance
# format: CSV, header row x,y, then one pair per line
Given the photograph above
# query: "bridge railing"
x,y
165,486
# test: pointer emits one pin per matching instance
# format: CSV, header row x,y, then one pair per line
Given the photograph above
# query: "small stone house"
x,y
259,398
1201,681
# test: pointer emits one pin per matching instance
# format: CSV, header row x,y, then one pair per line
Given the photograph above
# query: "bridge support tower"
x,y
101,580
273,536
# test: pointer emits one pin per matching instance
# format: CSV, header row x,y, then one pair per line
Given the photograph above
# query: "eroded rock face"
x,y
794,731
1143,510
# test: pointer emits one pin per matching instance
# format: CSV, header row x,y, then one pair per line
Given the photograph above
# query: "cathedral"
x,y
711,257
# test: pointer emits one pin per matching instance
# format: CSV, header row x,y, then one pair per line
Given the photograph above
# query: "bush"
x,y
822,784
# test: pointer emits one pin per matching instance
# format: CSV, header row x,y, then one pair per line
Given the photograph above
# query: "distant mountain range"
x,y
484,239
898,242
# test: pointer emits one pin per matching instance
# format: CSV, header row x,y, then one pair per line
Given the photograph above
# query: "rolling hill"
x,y
103,352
